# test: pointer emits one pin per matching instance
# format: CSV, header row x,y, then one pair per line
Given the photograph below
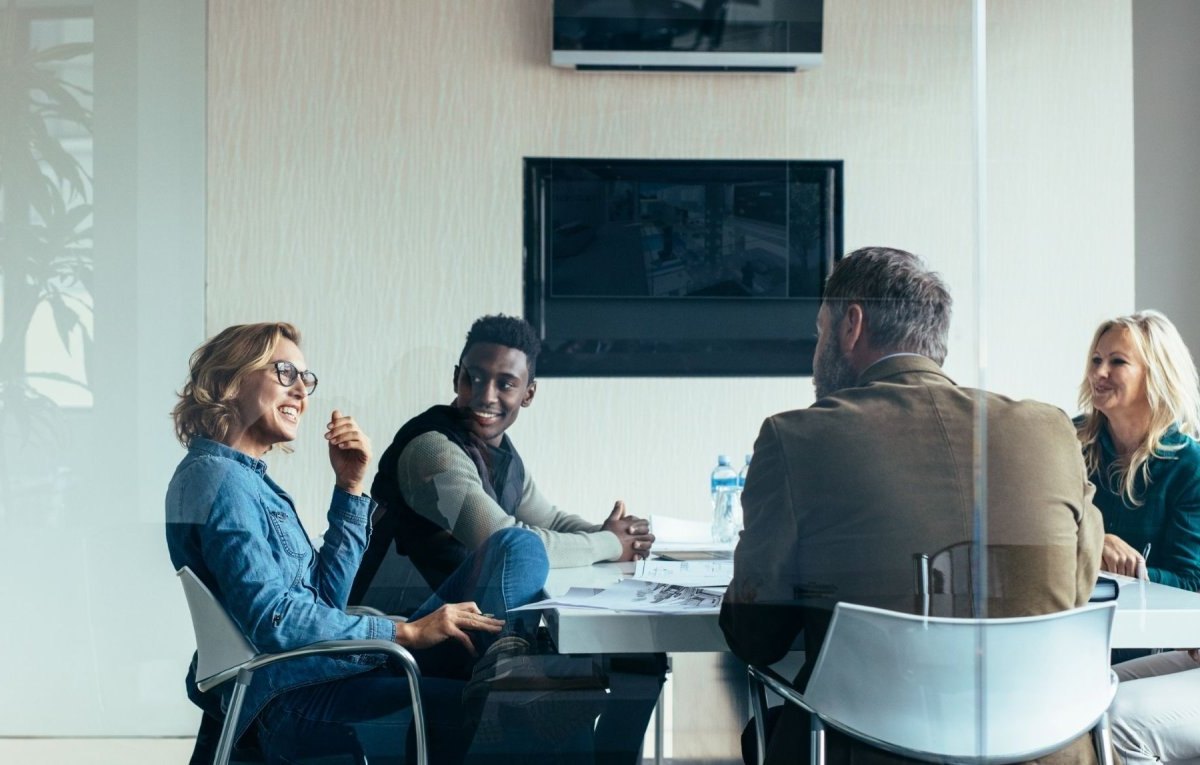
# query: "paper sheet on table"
x,y
689,573
576,597
668,529
678,535
652,597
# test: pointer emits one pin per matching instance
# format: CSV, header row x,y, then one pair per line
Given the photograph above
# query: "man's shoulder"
x,y
430,445
436,418
876,405
1001,408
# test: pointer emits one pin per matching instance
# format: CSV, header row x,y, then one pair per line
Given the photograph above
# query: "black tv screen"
x,y
640,267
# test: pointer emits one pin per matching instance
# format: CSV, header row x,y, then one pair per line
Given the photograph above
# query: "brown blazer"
x,y
841,495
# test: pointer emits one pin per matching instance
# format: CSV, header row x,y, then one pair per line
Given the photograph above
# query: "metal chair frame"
x,y
219,640
762,679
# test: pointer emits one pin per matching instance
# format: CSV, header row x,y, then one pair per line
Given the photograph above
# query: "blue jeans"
x,y
509,570
369,713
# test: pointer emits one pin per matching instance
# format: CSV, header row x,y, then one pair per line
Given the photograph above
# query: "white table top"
x,y
1148,615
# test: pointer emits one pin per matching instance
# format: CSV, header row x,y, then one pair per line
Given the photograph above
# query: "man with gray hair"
x,y
840,496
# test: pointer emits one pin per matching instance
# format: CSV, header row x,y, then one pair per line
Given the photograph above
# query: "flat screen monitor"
x,y
639,267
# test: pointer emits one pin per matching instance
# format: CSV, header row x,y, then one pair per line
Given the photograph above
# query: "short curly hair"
x,y
206,407
509,331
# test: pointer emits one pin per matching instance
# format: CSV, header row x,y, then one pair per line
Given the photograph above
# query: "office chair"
x,y
956,690
944,583
223,654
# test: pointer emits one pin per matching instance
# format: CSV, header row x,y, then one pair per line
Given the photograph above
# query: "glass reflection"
x,y
46,321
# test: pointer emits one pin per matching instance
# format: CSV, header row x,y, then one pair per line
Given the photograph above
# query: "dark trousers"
x,y
574,727
361,714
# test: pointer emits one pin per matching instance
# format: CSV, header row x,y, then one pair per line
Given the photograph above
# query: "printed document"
x,y
688,573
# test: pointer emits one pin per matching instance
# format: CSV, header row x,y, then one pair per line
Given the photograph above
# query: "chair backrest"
x,y
221,648
1004,689
1014,576
944,582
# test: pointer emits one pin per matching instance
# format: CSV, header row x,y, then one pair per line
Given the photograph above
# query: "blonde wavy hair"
x,y
207,406
1172,391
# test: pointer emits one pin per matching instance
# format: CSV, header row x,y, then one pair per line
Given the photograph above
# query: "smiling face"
x,y
1117,374
269,411
492,385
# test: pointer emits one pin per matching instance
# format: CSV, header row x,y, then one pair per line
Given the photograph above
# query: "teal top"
x,y
1168,518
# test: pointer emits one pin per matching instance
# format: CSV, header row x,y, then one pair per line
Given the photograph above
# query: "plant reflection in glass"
x,y
45,242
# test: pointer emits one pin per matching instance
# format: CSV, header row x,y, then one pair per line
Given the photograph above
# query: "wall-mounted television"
x,y
662,267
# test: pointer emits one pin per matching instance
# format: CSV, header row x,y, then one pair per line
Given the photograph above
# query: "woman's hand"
x,y
349,452
448,622
1119,558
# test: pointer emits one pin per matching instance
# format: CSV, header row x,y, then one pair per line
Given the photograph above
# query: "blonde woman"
x,y
1141,410
1141,417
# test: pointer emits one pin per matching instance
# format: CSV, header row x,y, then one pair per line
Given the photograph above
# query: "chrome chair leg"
x,y
225,743
1102,738
660,728
758,708
817,741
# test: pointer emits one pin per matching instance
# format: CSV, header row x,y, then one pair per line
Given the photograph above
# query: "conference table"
x,y
1148,615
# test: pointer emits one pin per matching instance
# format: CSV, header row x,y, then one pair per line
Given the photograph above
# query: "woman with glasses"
x,y
239,532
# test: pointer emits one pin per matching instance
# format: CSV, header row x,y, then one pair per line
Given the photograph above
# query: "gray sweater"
x,y
439,481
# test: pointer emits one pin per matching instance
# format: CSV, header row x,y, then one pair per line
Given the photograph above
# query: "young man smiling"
x,y
451,477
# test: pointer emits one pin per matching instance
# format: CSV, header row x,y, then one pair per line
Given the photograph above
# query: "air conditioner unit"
x,y
687,35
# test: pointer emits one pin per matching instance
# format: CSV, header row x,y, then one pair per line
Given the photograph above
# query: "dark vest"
x,y
433,550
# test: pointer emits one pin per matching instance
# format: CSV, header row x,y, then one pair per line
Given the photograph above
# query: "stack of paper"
x,y
688,573
656,597
678,535
669,587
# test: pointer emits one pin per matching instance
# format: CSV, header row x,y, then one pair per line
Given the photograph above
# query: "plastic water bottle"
x,y
727,506
742,475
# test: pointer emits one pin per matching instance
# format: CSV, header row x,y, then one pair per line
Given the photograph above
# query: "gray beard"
x,y
832,372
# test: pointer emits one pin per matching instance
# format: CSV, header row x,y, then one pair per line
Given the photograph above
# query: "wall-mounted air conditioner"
x,y
687,35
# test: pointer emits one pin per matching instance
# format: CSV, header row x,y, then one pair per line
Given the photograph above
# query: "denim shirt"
x,y
239,532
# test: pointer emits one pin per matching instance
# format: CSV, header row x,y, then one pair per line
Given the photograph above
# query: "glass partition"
x,y
170,169
102,277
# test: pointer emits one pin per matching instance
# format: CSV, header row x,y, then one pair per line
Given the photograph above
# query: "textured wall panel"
x,y
365,183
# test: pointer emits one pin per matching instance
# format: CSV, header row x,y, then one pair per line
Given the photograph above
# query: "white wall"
x,y
1060,189
364,181
1166,68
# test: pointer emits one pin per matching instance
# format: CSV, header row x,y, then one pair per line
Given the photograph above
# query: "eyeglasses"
x,y
287,373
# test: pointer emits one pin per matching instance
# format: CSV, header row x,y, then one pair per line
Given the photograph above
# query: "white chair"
x,y
223,654
956,690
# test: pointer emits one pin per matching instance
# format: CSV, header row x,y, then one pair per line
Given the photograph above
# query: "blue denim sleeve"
x,y
255,589
345,540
